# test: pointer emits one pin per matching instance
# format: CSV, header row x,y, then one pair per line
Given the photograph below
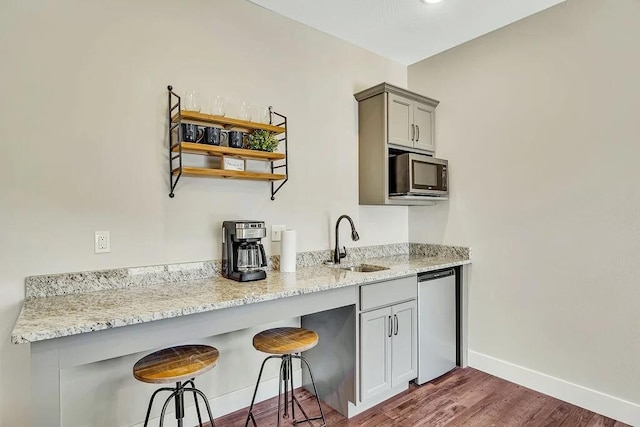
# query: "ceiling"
x,y
406,31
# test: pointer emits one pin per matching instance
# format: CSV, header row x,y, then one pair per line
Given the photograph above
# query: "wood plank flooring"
x,y
464,397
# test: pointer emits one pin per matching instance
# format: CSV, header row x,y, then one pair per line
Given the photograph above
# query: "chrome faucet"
x,y
337,255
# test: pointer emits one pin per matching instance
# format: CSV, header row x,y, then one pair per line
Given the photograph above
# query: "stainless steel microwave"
x,y
413,174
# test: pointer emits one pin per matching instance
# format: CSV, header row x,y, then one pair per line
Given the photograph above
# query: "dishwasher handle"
x,y
423,277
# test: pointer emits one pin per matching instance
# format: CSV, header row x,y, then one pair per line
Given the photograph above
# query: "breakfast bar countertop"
x,y
55,316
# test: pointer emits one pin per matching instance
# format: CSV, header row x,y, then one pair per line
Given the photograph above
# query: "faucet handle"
x,y
343,253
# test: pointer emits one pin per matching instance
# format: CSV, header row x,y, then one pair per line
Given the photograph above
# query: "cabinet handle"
x,y
418,133
413,132
390,327
395,317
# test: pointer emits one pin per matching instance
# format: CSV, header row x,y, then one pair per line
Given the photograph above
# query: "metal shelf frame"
x,y
284,165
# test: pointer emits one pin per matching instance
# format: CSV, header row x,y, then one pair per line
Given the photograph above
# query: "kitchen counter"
x,y
58,316
74,321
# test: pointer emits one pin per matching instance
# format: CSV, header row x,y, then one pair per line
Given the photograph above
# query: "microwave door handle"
x,y
263,255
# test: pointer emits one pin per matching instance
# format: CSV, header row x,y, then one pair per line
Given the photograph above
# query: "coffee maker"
x,y
242,254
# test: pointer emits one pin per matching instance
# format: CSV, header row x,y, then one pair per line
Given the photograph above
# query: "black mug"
x,y
191,133
213,136
236,138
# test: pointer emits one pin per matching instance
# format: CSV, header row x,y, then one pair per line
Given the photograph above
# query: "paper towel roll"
x,y
288,251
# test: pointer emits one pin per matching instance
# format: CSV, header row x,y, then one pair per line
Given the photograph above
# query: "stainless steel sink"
x,y
365,268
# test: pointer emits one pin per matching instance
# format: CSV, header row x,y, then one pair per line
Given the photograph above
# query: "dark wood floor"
x,y
464,397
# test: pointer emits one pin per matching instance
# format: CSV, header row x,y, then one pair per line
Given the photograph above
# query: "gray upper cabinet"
x,y
424,117
391,120
401,129
408,119
410,123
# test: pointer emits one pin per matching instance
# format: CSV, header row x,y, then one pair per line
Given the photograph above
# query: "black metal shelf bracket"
x,y
174,139
284,165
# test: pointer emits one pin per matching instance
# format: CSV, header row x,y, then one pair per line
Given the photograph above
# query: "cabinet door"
x,y
404,343
375,352
400,121
424,119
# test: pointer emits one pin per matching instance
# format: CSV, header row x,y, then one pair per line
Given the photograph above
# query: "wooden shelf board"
x,y
221,173
219,151
226,122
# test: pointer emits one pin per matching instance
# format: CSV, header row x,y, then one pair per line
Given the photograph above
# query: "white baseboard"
x,y
224,404
601,403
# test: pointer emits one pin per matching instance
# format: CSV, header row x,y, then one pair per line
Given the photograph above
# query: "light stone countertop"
x,y
64,315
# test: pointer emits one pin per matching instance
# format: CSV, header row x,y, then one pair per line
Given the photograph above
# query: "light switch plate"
x,y
102,242
276,232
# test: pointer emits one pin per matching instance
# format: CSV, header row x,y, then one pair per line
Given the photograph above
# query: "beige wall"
x,y
82,128
539,123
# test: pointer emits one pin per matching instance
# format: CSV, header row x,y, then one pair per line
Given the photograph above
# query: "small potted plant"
x,y
262,140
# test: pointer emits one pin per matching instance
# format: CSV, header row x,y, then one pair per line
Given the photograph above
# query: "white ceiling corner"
x,y
406,31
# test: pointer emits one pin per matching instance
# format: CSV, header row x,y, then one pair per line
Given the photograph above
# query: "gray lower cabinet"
x,y
375,352
404,343
368,348
388,338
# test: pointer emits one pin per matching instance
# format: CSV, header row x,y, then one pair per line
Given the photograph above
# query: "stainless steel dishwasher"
x,y
436,324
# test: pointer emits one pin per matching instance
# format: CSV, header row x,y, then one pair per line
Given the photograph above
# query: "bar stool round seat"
x,y
286,344
179,365
285,340
175,364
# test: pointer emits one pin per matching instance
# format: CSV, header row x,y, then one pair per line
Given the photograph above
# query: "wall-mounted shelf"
x,y
222,173
226,122
177,147
219,151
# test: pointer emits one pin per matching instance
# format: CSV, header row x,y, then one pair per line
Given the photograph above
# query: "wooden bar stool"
x,y
286,344
175,365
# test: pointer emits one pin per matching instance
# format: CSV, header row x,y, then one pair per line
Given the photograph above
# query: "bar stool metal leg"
x,y
280,394
315,391
255,392
195,399
166,404
293,408
284,366
294,401
153,396
206,404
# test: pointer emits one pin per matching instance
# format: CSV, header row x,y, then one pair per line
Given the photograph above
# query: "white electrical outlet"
x,y
102,242
276,232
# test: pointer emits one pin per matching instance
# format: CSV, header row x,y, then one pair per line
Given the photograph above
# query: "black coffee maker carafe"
x,y
243,256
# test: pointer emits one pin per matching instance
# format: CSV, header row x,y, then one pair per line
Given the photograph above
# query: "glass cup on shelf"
x,y
217,106
231,108
192,101
245,111
205,105
264,115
